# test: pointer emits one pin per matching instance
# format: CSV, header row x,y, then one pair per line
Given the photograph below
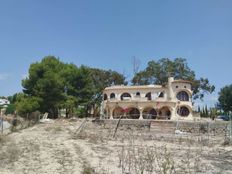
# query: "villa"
x,y
172,101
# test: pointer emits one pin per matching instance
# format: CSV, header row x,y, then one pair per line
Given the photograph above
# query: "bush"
x,y
10,109
80,112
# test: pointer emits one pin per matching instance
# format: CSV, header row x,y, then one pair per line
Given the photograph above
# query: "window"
x,y
125,96
182,96
148,95
161,94
105,97
137,94
112,95
183,111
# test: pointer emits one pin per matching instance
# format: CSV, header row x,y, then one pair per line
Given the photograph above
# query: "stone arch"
x,y
118,112
112,95
149,113
183,111
182,95
125,95
165,113
133,113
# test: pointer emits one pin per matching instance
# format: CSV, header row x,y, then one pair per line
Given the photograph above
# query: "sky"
x,y
109,33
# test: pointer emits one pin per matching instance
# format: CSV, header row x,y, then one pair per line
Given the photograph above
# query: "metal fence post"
x,y
1,120
230,128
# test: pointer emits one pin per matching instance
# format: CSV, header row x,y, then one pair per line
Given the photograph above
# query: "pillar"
x,y
111,113
170,90
140,113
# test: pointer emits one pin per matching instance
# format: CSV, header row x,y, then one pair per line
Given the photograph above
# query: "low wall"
x,y
215,127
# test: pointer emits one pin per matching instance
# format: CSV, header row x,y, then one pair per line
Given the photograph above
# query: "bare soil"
x,y
79,147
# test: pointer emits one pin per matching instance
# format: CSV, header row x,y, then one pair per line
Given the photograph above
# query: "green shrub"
x,y
10,109
80,112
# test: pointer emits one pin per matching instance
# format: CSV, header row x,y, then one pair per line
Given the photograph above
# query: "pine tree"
x,y
199,109
206,111
203,112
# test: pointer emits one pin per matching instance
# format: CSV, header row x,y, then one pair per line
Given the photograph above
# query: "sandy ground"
x,y
63,148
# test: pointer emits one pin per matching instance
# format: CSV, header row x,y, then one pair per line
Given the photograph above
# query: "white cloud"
x,y
4,76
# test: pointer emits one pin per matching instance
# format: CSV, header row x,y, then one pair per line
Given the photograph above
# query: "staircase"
x,y
163,126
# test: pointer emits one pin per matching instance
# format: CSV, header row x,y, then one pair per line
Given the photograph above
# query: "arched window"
x,y
183,111
182,96
149,113
112,95
125,96
105,97
133,113
148,95
161,95
137,94
165,113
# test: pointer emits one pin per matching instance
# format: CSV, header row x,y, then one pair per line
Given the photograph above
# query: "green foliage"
x,y
213,113
80,112
78,87
157,72
206,111
12,98
102,79
57,85
225,99
199,109
10,109
202,113
45,83
27,104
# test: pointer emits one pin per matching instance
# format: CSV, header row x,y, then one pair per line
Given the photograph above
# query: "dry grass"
x,y
60,148
3,139
141,151
54,129
9,154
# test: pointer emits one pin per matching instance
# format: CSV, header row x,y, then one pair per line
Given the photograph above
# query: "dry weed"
x,y
9,154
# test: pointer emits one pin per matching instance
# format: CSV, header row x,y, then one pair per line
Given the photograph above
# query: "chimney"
x,y
170,80
170,90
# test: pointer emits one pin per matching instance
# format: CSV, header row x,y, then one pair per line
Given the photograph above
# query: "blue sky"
x,y
108,33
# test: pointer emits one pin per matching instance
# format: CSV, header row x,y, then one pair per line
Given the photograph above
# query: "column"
x,y
140,113
111,113
170,90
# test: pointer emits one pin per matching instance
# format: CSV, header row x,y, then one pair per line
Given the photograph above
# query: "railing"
x,y
136,99
137,116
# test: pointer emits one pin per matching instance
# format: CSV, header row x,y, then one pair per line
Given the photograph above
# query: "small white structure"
x,y
4,102
172,101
